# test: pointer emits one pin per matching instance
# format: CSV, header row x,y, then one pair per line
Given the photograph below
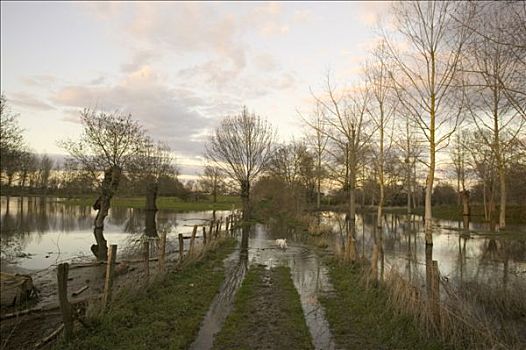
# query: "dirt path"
x,y
267,314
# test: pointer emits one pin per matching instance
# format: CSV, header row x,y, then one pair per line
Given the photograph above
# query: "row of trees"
x,y
438,66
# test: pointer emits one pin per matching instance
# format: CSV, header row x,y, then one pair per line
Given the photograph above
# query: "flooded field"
x,y
308,275
39,233
476,255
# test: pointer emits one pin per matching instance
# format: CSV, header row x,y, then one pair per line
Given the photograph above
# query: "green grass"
x,y
515,214
223,203
362,318
165,315
267,314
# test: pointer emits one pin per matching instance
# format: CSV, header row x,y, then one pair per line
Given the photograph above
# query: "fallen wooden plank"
x,y
50,337
80,290
48,308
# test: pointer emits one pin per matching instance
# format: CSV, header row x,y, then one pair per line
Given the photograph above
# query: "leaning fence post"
x,y
146,256
227,225
192,239
181,246
65,306
435,300
162,252
217,228
110,269
211,231
204,235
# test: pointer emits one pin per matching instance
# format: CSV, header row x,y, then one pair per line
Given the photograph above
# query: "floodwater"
x,y
40,232
476,255
308,274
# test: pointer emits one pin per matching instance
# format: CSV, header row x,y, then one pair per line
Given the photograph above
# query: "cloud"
x,y
23,99
169,114
370,12
302,16
41,80
188,28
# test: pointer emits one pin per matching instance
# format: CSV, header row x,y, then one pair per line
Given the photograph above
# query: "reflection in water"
x,y
483,268
258,247
235,269
39,232
462,255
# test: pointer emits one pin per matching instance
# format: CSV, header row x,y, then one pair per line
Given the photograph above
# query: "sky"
x,y
177,67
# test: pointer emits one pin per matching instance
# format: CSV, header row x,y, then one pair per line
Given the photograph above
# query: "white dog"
x,y
282,243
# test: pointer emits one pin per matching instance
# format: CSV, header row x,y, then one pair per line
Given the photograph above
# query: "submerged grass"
x,y
364,318
223,203
163,315
267,314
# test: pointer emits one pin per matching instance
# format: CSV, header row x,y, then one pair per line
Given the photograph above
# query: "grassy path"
x,y
362,318
165,315
267,314
175,203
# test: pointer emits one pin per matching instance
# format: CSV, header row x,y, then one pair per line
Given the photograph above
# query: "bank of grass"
x,y
175,203
515,214
165,315
363,318
267,314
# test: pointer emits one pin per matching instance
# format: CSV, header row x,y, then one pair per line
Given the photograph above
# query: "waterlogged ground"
x,y
37,234
476,255
40,232
309,277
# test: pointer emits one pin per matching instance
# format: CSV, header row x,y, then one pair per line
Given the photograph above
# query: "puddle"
x,y
235,269
308,274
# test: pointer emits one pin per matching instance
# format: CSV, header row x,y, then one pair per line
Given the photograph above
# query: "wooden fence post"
x,y
204,235
227,225
181,247
162,252
146,256
217,228
110,269
211,231
192,239
65,306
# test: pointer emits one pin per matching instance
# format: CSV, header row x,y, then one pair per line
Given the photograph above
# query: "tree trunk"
x,y
245,199
318,194
351,252
151,209
374,257
381,173
102,205
484,200
502,211
429,188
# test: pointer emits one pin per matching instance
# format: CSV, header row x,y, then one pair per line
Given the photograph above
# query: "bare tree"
x,y
426,75
242,147
151,162
345,117
11,141
44,172
317,138
493,67
381,109
481,160
108,144
212,180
